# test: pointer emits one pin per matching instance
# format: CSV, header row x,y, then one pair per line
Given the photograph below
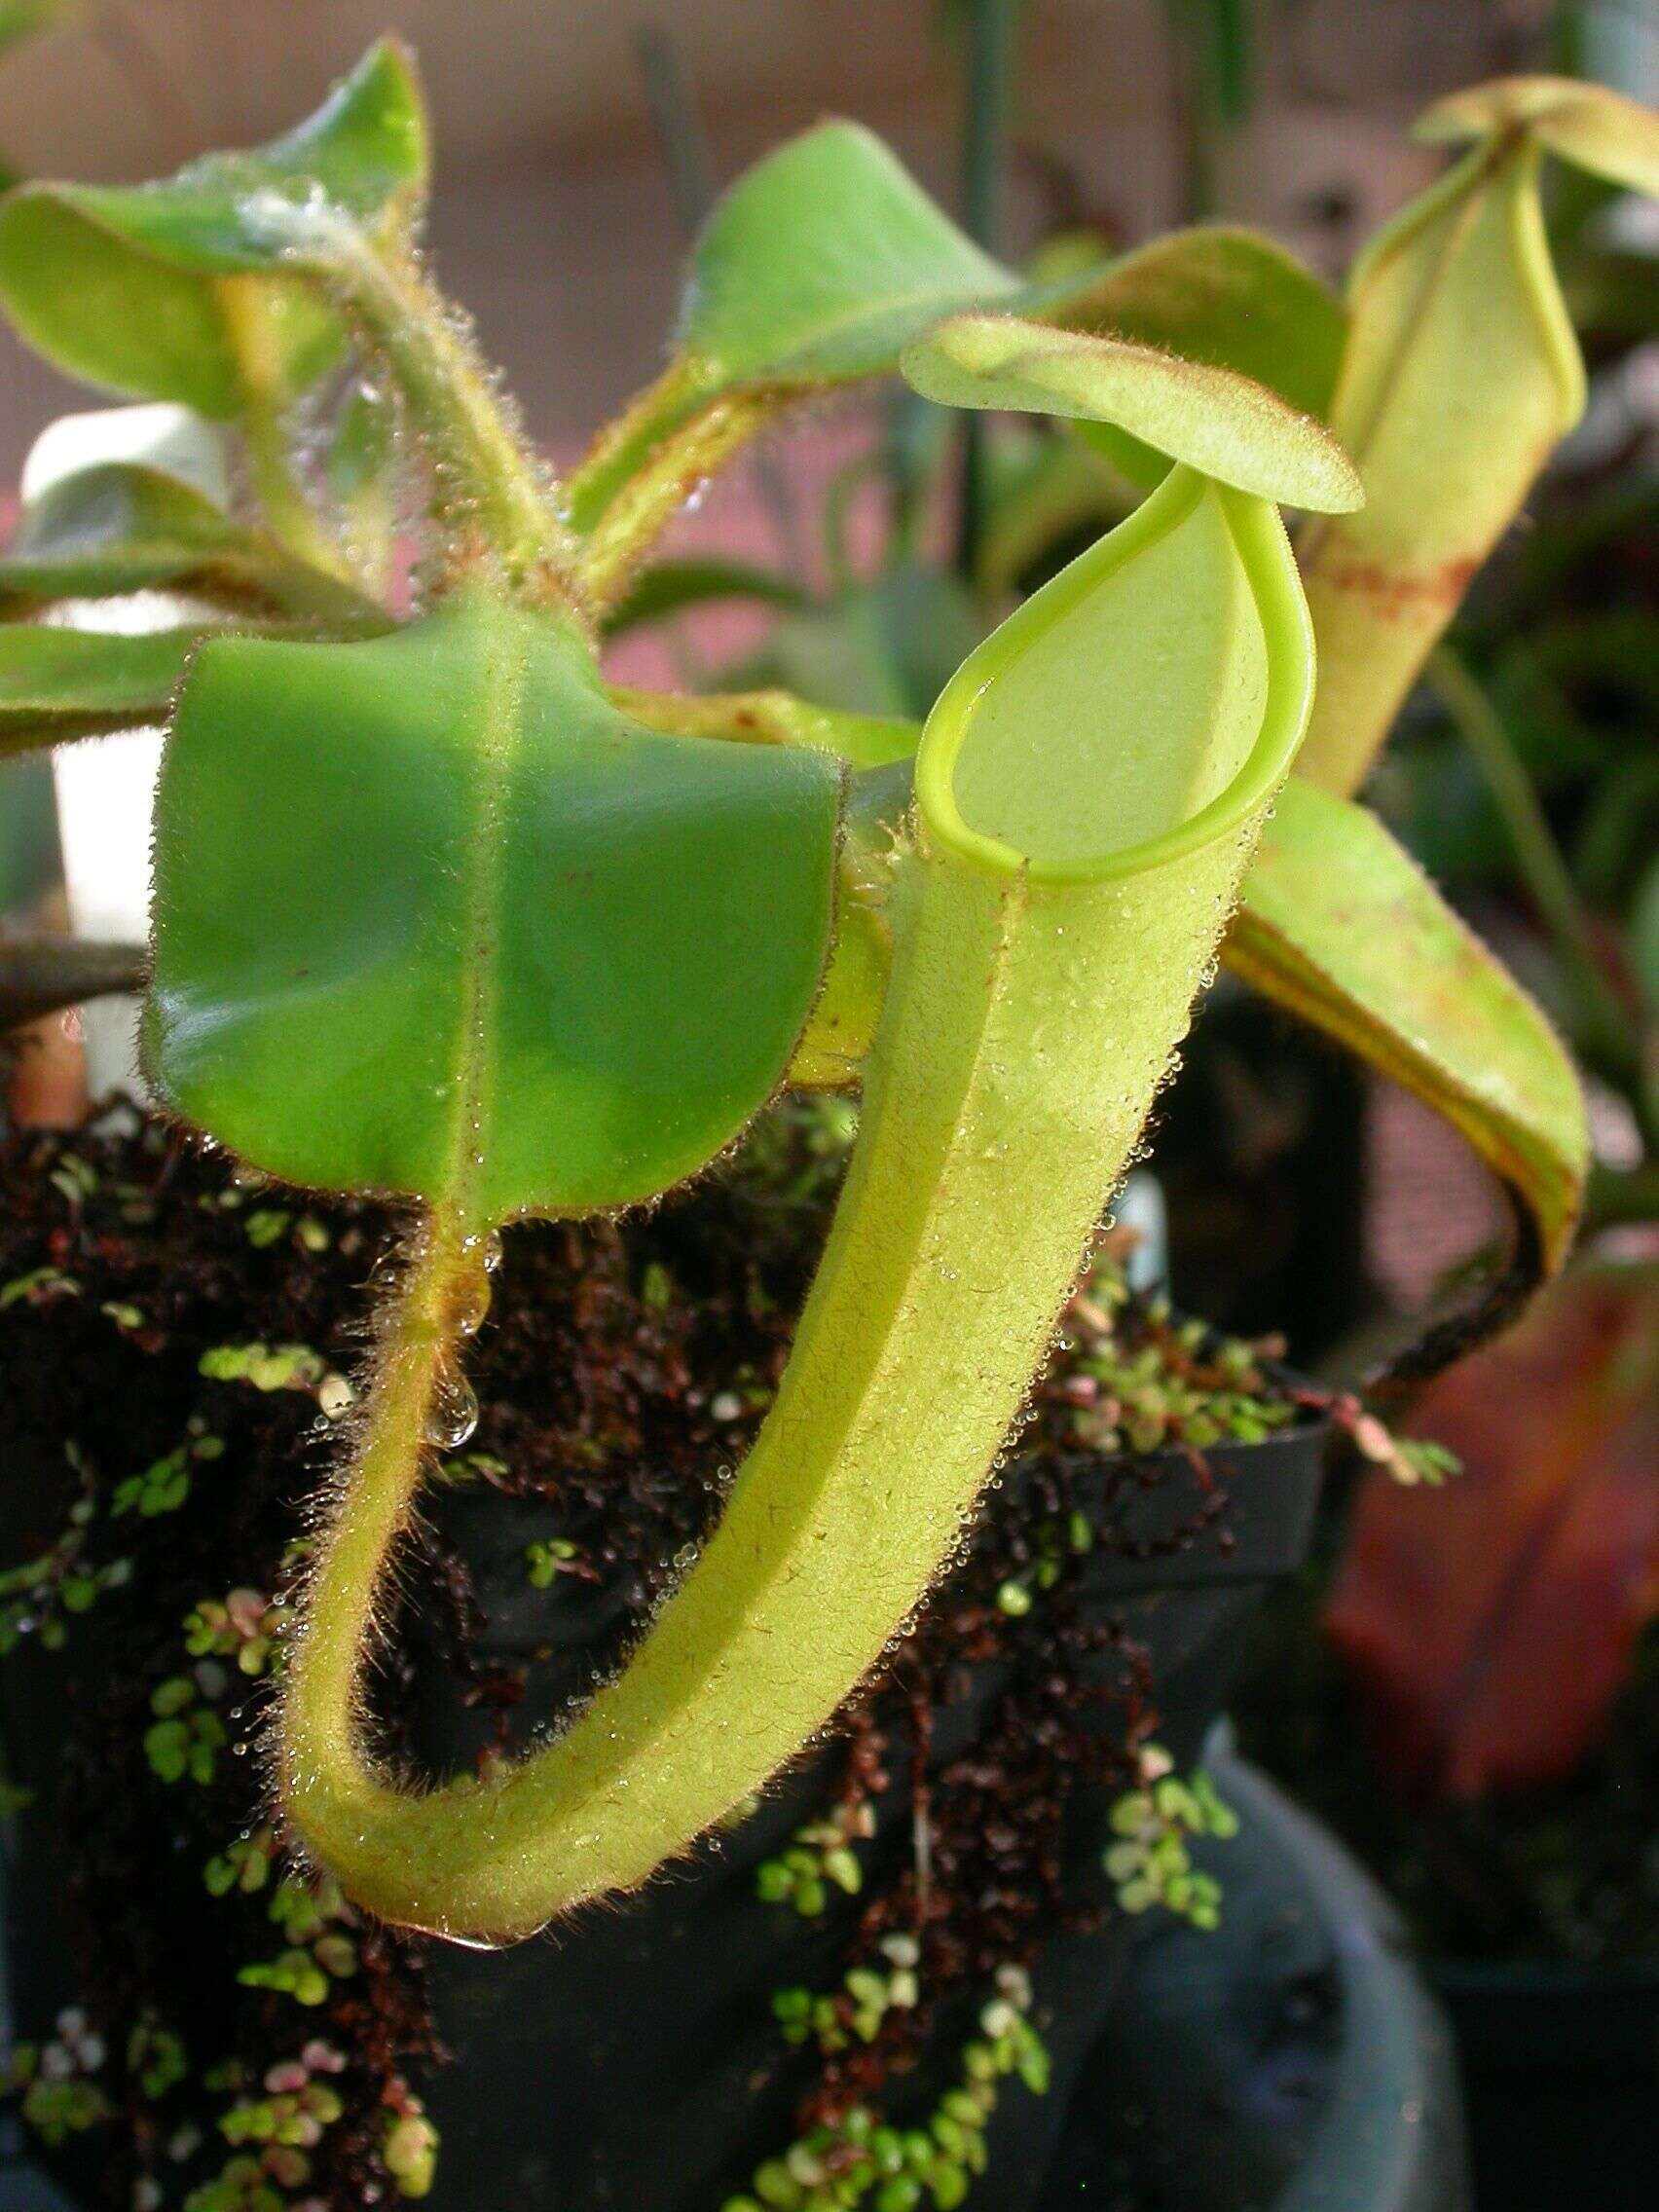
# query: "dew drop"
x,y
452,1414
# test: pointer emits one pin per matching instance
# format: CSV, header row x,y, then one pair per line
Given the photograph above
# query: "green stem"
x,y
495,503
1602,1018
640,472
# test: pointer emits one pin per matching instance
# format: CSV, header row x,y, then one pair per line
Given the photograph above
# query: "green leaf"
x,y
820,264
842,1028
814,269
1587,125
124,528
432,916
146,289
1225,297
64,683
1215,421
1339,924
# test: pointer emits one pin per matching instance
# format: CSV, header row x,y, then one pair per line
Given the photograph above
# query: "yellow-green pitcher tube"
x,y
1462,375
1032,1015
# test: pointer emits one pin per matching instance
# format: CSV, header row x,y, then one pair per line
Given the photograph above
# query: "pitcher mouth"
x,y
1264,555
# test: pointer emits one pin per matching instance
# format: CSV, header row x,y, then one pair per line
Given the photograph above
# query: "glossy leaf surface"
x,y
433,917
1339,924
1215,421
1491,1623
63,684
173,290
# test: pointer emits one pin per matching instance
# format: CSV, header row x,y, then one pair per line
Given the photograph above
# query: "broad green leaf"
x,y
837,1039
174,290
64,683
120,528
822,263
1339,924
1212,419
1224,296
432,916
1592,127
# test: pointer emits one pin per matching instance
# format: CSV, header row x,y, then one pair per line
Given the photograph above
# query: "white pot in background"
x,y
106,786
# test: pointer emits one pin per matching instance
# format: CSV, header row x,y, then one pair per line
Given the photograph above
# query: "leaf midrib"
x,y
499,703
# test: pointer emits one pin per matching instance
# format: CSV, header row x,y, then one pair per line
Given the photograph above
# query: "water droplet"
x,y
452,1414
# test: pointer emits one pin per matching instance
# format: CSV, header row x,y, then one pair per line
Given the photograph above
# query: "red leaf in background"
x,y
1491,1623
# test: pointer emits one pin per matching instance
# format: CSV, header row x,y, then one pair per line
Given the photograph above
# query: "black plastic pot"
x,y
632,2059
1290,2061
1561,2066
662,2007
1259,1149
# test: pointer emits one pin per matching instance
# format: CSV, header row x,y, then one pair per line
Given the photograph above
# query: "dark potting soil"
x,y
175,1339
1570,1872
